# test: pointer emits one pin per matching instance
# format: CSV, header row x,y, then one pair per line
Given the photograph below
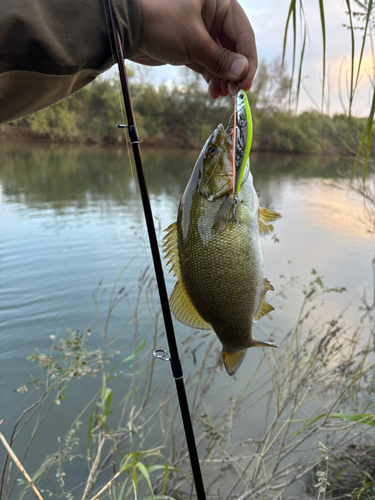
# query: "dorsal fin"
x,y
266,215
170,249
181,305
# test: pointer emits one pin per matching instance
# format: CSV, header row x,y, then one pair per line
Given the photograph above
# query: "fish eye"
x,y
211,150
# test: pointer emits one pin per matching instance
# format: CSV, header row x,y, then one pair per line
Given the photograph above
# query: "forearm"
x,y
49,49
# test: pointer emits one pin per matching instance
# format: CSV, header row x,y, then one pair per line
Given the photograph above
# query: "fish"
x,y
213,249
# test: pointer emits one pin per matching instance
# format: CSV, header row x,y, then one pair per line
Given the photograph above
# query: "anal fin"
x,y
267,286
233,360
264,309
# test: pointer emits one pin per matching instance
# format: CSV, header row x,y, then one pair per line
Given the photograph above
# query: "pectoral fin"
x,y
233,360
265,216
230,209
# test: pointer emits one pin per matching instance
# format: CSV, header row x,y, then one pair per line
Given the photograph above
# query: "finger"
x,y
198,68
238,35
214,87
224,88
218,60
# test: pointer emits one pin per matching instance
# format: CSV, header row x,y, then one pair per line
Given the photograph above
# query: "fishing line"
x,y
122,109
230,123
164,300
135,191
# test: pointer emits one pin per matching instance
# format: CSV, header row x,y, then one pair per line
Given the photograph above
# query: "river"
x,y
72,222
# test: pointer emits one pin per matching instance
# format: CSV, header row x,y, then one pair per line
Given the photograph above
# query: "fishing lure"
x,y
242,138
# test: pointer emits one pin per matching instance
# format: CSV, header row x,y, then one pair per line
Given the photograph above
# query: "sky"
x,y
268,19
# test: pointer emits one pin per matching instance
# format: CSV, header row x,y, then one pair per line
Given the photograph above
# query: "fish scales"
x,y
229,263
215,253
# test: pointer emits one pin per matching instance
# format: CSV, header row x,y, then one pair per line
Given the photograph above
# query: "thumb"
x,y
219,61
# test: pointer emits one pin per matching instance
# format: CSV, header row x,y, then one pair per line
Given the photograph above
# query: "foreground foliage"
x,y
315,397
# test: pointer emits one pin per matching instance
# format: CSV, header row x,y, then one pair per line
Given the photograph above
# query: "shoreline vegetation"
x,y
183,116
315,395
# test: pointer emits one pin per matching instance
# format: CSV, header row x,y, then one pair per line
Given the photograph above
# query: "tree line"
x,y
183,115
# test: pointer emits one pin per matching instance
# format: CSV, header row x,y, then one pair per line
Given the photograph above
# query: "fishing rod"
x,y
173,357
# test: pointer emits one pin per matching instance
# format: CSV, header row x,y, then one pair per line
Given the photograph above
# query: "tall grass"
x,y
134,447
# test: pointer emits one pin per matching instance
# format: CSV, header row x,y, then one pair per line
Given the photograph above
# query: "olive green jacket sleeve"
x,y
49,49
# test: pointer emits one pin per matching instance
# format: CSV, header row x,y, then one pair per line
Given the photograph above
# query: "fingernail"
x,y
237,67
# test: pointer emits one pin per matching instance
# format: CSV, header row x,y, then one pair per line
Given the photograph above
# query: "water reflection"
x,y
65,176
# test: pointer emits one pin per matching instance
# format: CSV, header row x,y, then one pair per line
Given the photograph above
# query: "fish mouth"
x,y
220,134
220,138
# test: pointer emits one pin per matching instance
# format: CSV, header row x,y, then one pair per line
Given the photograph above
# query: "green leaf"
x,y
136,352
143,470
300,65
122,490
291,13
109,394
135,481
365,418
310,422
127,395
351,95
22,389
159,497
323,23
369,9
366,133
292,6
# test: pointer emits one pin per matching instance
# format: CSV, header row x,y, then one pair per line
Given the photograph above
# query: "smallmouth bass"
x,y
214,252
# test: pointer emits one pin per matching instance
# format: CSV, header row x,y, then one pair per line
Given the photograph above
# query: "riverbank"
x,y
184,117
10,134
16,134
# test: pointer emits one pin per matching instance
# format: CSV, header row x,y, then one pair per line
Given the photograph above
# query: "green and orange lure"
x,y
242,138
230,209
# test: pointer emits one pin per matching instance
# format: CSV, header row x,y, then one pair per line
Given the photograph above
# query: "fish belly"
x,y
223,272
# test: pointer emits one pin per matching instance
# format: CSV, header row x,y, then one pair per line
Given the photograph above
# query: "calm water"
x,y
71,218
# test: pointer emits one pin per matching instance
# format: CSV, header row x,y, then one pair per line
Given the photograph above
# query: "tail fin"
x,y
233,360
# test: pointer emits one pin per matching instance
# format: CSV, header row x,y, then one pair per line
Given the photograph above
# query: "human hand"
x,y
211,37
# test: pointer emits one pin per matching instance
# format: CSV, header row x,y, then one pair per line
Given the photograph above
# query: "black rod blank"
x,y
175,360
